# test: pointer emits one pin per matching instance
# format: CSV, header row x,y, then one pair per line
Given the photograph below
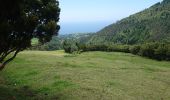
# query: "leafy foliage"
x,y
22,20
159,51
70,46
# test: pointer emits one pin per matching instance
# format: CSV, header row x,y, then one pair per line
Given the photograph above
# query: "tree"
x,y
23,20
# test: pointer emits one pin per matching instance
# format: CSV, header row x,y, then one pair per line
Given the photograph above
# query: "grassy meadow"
x,y
55,75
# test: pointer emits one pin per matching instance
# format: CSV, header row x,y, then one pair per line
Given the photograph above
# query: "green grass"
x,y
41,75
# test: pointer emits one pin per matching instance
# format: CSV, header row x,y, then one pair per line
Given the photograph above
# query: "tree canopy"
x,y
22,20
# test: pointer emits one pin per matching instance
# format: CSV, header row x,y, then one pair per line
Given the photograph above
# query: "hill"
x,y
150,25
55,75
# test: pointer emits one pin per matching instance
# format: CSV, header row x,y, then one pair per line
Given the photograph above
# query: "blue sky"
x,y
92,15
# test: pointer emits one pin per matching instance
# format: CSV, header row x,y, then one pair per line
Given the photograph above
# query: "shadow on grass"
x,y
13,93
23,93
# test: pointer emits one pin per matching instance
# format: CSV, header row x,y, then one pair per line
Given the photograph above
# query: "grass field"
x,y
41,75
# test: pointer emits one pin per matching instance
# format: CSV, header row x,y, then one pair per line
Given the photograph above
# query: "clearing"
x,y
54,75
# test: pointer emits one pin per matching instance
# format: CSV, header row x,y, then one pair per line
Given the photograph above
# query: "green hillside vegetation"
x,y
57,41
148,29
146,33
55,75
152,24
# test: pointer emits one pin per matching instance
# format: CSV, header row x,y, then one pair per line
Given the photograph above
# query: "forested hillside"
x,y
152,24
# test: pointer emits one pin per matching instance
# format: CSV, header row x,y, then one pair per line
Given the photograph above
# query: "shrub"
x,y
160,52
135,49
168,52
148,50
70,46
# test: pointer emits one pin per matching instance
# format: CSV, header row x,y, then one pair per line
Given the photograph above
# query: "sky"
x,y
84,16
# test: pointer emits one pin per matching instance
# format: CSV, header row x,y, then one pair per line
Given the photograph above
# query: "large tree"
x,y
23,20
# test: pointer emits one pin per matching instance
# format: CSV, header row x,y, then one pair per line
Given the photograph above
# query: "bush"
x,y
119,48
160,52
168,52
135,49
148,50
70,46
103,47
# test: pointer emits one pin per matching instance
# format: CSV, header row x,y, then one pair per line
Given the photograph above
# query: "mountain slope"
x,y
152,24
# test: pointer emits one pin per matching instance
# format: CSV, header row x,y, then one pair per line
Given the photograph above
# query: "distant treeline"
x,y
158,51
154,50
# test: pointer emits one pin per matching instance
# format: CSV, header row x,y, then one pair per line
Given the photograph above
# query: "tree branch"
x,y
3,56
2,66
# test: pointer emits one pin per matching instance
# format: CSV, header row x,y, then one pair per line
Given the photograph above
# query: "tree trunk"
x,y
2,65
